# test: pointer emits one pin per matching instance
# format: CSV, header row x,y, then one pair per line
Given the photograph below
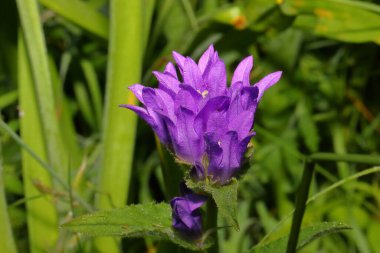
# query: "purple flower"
x,y
186,215
202,121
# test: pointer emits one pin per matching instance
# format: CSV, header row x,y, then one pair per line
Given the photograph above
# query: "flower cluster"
x,y
201,120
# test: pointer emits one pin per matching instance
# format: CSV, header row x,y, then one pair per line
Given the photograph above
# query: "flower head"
x,y
186,214
198,117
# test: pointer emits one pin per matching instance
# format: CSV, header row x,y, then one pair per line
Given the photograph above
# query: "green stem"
x,y
301,199
303,192
353,158
171,173
212,223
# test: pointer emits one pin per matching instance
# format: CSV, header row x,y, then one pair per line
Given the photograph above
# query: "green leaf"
x,y
307,235
148,220
225,197
349,21
81,14
8,98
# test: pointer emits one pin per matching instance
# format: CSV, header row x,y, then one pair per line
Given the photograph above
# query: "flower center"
x,y
203,93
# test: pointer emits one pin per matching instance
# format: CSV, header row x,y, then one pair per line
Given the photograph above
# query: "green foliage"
x,y
81,14
346,20
146,221
225,198
68,149
307,235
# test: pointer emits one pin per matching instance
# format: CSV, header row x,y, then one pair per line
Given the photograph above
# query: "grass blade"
x,y
124,68
81,14
41,216
37,52
7,242
94,88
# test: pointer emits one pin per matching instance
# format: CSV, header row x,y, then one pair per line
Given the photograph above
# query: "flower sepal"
x,y
225,196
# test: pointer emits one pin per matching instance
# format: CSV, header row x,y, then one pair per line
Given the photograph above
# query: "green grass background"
x,y
67,149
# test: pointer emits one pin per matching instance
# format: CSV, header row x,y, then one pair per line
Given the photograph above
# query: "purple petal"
x,y
142,112
242,72
213,149
170,69
188,142
195,201
168,82
216,79
244,99
137,90
159,101
180,60
153,120
214,105
241,124
242,148
186,216
192,75
230,145
267,82
188,97
206,58
248,98
229,162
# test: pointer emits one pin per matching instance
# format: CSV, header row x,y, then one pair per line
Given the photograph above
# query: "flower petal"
x,y
188,97
195,201
155,122
214,105
205,59
192,75
159,101
241,124
243,99
242,72
167,82
229,163
170,69
180,60
137,90
188,142
216,79
267,82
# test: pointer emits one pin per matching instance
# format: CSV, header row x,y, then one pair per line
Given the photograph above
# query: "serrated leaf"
x,y
307,235
143,220
225,197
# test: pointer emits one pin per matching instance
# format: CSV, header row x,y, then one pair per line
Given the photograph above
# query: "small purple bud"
x,y
186,215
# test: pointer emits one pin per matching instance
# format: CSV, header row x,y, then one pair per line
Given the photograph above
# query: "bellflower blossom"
x,y
201,120
186,215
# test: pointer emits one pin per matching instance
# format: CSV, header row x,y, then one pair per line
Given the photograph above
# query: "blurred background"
x,y
67,149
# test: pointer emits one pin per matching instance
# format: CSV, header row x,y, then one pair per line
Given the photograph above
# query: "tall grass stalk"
x,y
118,139
37,55
7,242
41,214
